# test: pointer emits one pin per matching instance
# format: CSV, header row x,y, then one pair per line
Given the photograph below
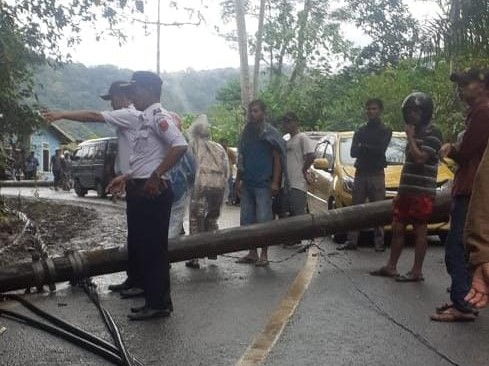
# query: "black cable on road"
x,y
81,342
91,290
63,324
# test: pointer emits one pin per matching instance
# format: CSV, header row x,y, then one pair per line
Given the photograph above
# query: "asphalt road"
x,y
346,317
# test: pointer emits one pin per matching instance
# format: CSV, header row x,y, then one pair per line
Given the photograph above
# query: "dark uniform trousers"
x,y
147,242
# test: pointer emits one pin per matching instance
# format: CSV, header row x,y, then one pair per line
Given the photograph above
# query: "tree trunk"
x,y
300,64
258,50
243,53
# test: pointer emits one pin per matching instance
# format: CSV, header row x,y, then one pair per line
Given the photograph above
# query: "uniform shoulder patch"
x,y
163,123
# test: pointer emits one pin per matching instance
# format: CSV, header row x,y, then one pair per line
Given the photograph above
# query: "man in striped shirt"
x,y
417,190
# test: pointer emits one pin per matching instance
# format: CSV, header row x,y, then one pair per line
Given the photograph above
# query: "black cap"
x,y
146,79
116,88
469,75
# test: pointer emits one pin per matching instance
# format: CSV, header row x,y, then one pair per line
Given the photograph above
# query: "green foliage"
x,y
34,32
393,31
336,102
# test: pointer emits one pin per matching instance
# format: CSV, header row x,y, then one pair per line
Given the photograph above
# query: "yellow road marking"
x,y
263,343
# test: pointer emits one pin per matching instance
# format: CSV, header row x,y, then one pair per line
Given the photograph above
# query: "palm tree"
x,y
460,33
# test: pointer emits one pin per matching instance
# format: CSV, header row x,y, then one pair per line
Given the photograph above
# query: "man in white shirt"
x,y
300,155
125,119
158,146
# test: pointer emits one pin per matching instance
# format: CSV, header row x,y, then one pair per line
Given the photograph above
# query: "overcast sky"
x,y
196,47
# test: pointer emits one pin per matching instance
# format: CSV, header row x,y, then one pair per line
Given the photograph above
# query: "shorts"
x,y
413,209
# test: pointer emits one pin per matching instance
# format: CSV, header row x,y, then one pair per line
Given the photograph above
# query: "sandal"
x,y
444,307
262,263
247,260
452,315
384,272
408,277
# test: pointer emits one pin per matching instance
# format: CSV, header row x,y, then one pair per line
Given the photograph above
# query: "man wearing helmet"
x,y
417,190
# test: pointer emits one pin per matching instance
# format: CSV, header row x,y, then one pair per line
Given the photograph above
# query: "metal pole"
x,y
158,28
93,263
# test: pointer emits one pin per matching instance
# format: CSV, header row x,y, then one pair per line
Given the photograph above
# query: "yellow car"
x,y
333,172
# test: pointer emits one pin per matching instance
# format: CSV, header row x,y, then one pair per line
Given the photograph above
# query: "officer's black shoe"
x,y
132,292
120,287
137,309
148,313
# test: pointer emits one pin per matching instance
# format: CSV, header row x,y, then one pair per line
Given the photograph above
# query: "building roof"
x,y
78,132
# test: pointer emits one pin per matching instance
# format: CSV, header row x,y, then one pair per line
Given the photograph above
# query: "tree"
x,y
243,52
392,29
34,32
461,32
258,48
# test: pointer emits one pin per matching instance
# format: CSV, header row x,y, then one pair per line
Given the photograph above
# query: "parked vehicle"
x,y
333,173
93,165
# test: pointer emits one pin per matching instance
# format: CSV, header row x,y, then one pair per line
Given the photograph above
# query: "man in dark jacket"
x,y
468,154
368,147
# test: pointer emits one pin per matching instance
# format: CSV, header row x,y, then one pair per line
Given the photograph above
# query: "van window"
x,y
91,152
100,151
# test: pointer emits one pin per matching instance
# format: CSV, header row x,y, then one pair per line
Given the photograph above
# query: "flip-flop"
x,y
384,272
408,277
247,260
444,307
452,315
262,263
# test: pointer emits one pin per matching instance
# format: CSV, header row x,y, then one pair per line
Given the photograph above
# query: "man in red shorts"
x,y
417,190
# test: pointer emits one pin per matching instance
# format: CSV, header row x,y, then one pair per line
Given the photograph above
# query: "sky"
x,y
195,47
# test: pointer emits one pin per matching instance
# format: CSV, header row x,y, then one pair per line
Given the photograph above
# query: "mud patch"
x,y
58,225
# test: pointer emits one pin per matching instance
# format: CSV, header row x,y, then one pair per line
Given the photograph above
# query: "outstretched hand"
x,y
479,292
51,116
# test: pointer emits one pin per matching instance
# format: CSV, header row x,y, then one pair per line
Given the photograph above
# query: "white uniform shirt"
x,y
126,122
298,146
156,134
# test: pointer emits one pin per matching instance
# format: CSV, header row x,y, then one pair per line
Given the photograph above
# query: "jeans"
x,y
147,224
256,205
455,260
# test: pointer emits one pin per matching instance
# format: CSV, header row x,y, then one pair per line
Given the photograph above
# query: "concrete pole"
x,y
93,263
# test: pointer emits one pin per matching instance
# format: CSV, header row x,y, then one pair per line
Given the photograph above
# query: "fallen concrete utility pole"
x,y
77,265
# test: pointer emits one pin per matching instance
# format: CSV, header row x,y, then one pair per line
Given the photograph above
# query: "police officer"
x,y
158,146
125,119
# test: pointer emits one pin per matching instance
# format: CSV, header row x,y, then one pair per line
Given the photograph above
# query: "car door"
x,y
320,189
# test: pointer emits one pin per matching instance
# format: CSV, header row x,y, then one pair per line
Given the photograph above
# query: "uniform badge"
x,y
163,123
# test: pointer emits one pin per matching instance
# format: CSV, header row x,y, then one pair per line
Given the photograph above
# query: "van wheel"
x,y
100,190
79,190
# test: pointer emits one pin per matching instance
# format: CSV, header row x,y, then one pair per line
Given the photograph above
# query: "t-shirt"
x,y
420,179
298,146
257,156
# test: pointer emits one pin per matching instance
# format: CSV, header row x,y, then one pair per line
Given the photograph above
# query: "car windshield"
x,y
395,153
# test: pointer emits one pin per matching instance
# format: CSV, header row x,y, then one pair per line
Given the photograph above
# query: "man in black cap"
x,y
157,147
125,119
471,88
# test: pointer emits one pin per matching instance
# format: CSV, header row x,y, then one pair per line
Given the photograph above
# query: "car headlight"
x,y
347,184
446,186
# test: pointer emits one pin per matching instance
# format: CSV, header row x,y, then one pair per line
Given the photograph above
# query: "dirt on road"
x,y
57,223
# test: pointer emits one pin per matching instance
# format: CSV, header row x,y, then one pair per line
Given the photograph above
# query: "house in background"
x,y
46,140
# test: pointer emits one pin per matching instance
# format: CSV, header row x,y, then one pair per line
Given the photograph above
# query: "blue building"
x,y
44,143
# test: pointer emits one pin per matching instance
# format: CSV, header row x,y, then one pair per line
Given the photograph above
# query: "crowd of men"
x,y
160,173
